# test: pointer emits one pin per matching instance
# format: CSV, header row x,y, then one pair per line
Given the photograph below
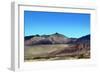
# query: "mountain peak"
x,y
58,35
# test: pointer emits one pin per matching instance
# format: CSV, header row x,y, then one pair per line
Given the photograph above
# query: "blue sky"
x,y
70,24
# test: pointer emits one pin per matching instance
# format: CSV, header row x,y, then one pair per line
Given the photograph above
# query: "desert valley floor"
x,y
54,52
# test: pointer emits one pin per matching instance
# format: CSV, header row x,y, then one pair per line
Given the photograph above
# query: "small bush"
x,y
81,56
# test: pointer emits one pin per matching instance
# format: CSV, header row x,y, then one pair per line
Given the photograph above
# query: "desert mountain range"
x,y
55,38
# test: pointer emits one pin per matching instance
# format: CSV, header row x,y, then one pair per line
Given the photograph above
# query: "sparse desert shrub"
x,y
41,57
81,56
37,58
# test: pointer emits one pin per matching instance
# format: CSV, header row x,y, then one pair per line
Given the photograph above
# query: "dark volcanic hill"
x,y
83,42
84,39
